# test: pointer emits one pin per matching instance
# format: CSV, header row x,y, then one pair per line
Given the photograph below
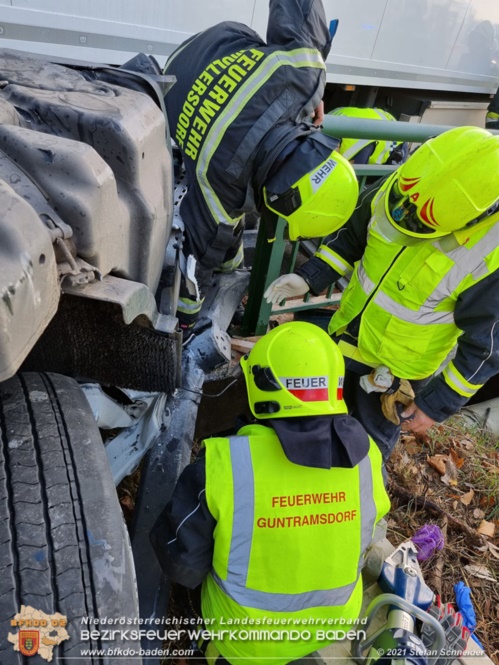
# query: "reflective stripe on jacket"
x,y
289,541
233,91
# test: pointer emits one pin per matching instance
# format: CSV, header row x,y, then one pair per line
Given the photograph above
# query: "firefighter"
x,y
492,117
370,151
422,249
240,113
274,521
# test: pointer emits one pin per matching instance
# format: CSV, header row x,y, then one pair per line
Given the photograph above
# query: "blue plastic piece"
x,y
333,26
465,606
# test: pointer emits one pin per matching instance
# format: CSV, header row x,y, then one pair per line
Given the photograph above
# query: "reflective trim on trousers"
x,y
232,264
242,537
298,58
188,306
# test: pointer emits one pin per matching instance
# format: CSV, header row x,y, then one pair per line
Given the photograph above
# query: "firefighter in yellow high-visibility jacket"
x,y
274,522
422,252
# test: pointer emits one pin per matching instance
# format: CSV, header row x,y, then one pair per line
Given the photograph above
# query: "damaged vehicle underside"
x,y
89,343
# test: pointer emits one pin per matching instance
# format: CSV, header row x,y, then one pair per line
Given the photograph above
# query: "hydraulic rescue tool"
x,y
418,630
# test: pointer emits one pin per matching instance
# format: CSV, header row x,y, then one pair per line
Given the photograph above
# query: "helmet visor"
x,y
403,214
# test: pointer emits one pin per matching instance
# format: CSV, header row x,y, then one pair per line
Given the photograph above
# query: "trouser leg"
x,y
492,121
224,252
492,117
191,295
234,256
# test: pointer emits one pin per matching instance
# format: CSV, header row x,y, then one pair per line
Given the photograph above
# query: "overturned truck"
x,y
89,274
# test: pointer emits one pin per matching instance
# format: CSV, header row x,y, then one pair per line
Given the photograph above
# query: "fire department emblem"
x,y
29,642
39,633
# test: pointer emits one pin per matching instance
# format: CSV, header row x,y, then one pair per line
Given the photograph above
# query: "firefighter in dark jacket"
x,y
422,250
274,521
492,117
241,112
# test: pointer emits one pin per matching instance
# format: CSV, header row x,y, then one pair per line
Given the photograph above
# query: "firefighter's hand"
x,y
286,286
392,404
318,115
419,422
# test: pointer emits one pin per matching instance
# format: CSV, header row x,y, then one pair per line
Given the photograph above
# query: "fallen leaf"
x,y
411,445
437,462
458,461
487,501
405,459
454,505
414,470
486,529
127,501
478,514
465,443
481,572
451,473
424,439
467,498
493,549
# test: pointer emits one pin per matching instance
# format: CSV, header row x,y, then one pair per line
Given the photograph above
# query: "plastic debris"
x,y
428,539
465,607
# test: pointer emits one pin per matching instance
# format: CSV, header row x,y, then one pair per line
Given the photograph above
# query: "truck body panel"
x,y
86,187
448,45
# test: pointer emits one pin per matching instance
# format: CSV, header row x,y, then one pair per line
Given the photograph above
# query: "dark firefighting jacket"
x,y
238,103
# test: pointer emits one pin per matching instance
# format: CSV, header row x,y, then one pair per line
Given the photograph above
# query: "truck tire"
x,y
63,542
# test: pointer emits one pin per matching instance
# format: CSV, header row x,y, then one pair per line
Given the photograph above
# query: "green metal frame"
x,y
271,241
269,253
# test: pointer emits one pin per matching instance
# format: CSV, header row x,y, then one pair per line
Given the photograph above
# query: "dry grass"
x,y
477,456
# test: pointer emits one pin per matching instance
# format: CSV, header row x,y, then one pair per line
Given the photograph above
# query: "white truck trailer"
x,y
404,55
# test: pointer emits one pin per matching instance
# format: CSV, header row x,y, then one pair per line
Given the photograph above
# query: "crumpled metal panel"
x,y
29,292
99,154
84,160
